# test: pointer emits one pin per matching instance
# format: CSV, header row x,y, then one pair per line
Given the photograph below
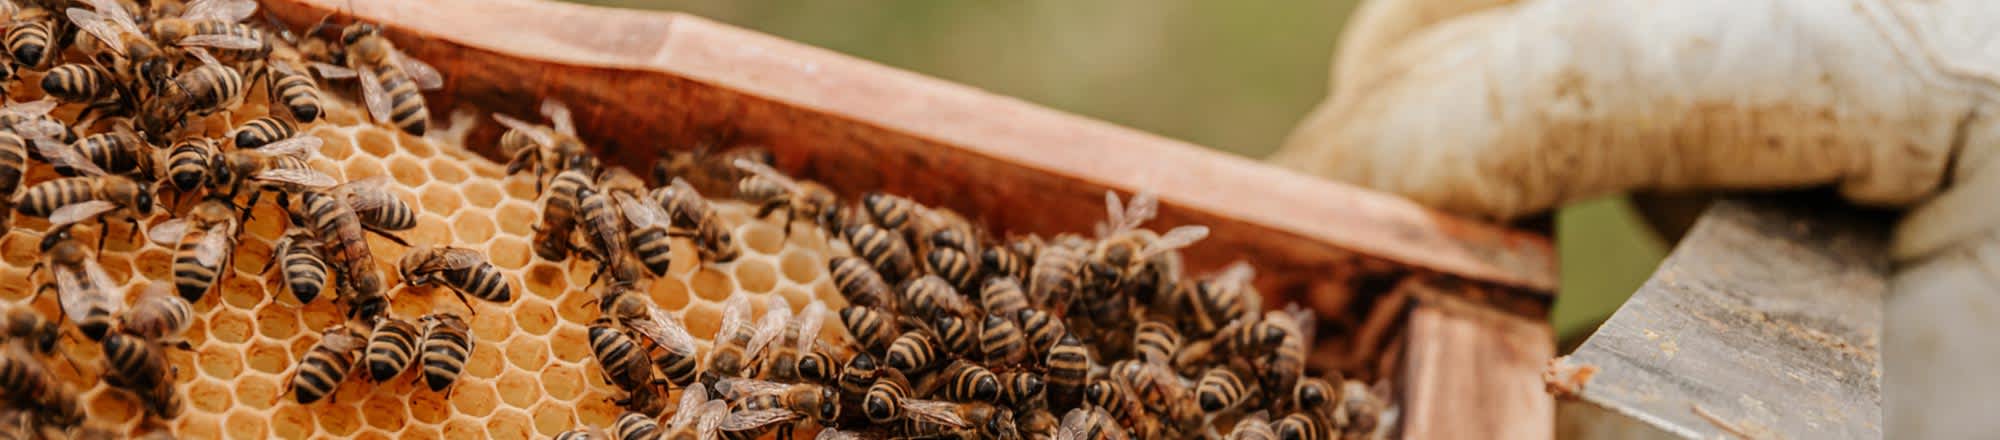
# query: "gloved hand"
x,y
1502,109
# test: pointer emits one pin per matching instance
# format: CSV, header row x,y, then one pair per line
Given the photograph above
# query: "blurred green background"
x,y
1229,75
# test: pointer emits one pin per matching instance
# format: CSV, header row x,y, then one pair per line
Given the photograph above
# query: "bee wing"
x,y
306,177
735,313
710,418
1074,425
1175,239
226,10
1301,322
682,185
221,41
114,12
835,434
39,107
1114,214
810,320
932,411
559,117
168,233
1237,274
534,132
374,95
691,400
452,258
640,213
79,211
329,71
213,246
753,419
72,157
770,326
734,388
369,194
204,56
1144,206
426,77
114,298
1255,426
98,27
303,147
766,171
664,331
72,294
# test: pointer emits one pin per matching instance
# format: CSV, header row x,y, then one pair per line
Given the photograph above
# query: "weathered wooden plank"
x,y
1473,372
1766,321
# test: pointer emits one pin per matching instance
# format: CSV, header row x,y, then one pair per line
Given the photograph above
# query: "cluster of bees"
x,y
949,332
145,77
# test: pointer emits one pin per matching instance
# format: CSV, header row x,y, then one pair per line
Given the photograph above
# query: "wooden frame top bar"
x,y
640,81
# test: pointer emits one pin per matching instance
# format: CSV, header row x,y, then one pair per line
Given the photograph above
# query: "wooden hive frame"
x,y
642,82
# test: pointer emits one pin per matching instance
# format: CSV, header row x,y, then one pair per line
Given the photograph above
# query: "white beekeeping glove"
x,y
1502,109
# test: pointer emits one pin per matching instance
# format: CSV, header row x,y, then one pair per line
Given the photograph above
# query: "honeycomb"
x,y
530,374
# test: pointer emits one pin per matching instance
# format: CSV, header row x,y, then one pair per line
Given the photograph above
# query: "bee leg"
x,y
468,304
386,234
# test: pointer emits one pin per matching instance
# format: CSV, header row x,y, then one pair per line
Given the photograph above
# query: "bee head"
x,y
354,33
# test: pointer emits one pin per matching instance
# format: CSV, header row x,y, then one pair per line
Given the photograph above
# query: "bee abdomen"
x,y
77,82
305,274
191,278
299,95
320,373
43,198
13,159
262,131
654,249
406,103
445,351
389,349
481,281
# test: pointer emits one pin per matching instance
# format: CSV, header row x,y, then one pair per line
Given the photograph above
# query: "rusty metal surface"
x,y
1765,322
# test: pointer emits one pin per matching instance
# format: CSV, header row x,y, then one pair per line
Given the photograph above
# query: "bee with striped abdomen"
x,y
771,191
930,297
916,351
1043,329
1022,389
1001,261
120,43
767,404
604,232
1053,279
81,83
1001,343
890,400
1256,426
857,281
214,24
293,90
78,194
87,294
203,243
159,315
391,347
263,130
32,330
981,420
282,166
1068,364
118,152
1282,367
392,83
625,366
304,270
32,388
635,425
953,266
446,344
1302,426
331,216
544,149
1221,389
738,342
677,360
204,90
562,210
188,161
648,235
326,365
793,344
872,328
463,270
882,249
962,381
697,221
711,171
957,336
30,38
139,366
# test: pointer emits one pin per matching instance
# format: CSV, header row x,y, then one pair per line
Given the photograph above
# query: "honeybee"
x,y
930,297
1000,261
1221,389
159,315
1129,259
604,232
282,166
294,90
188,161
698,221
13,163
34,331
916,351
1022,389
954,266
32,388
737,342
463,270
391,347
772,191
853,376
962,381
886,251
584,433
957,335
85,197
981,421
89,298
328,363
124,45
697,416
203,241
1210,304
214,24
889,400
561,210
1315,395
331,216
792,344
263,130
648,235
447,342
1155,341
137,365
625,365
677,360
1068,364
1001,343
765,404
1053,279
890,211
858,282
1044,330
79,82
30,38
117,152
1302,426
1281,369
204,90
304,268
544,149
1002,296
391,82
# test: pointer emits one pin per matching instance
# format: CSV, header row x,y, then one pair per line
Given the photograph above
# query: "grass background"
x,y
1234,76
